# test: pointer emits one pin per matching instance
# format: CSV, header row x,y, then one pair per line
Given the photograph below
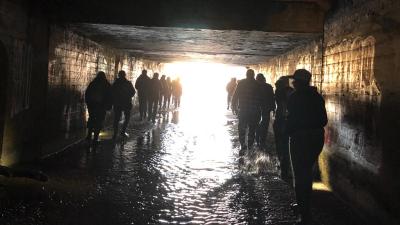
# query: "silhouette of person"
x,y
141,86
122,92
267,105
98,101
305,126
154,97
230,88
167,93
246,102
177,92
282,93
163,83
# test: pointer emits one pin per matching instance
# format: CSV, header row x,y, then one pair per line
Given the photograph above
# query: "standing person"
x,y
267,105
282,93
168,93
177,92
163,83
141,86
246,102
122,92
230,88
305,126
98,101
154,97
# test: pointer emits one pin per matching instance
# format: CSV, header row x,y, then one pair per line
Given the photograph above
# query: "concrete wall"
x,y
45,71
361,50
23,35
73,62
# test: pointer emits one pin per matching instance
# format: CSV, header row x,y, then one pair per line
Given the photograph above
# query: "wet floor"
x,y
181,170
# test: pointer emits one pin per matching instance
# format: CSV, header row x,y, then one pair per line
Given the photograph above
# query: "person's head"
x,y
282,82
144,72
155,75
233,79
121,74
168,78
260,77
101,76
163,77
301,78
250,74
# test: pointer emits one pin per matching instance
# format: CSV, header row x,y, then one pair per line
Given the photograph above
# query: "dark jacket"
x,y
306,110
281,98
122,91
98,94
154,89
267,97
142,84
247,96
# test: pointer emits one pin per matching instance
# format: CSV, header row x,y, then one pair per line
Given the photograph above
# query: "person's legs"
x,y
229,101
100,116
154,110
149,109
242,126
252,121
141,107
127,115
90,124
117,118
264,125
305,148
297,156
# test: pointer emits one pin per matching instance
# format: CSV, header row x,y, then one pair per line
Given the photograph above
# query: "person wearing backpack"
x,y
122,93
98,101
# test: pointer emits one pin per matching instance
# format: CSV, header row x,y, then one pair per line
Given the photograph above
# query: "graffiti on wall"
x,y
21,75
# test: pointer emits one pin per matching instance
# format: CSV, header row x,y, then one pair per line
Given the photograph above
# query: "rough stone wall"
x,y
23,36
73,62
362,91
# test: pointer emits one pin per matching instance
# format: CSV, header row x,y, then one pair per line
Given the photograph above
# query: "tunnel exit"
x,y
204,98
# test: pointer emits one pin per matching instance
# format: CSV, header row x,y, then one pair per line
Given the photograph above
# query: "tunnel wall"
x,y
73,62
23,34
362,91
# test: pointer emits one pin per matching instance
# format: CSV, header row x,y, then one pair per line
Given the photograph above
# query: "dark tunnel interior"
x,y
184,162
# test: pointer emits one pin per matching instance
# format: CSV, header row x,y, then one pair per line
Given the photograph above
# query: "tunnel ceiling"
x,y
166,44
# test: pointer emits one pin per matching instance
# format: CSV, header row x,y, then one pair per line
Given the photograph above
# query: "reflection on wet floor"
x,y
180,170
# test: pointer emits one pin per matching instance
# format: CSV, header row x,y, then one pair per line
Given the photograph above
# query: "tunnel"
x,y
186,166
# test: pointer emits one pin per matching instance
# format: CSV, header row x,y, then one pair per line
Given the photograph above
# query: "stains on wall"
x,y
20,72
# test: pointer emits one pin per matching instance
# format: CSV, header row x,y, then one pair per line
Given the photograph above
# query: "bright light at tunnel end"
x,y
204,94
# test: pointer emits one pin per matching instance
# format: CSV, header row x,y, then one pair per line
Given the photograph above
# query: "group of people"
x,y
300,118
155,93
101,96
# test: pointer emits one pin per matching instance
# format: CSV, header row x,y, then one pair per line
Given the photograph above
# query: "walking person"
x,y
246,102
267,106
141,86
282,93
122,92
230,88
154,97
167,93
98,101
177,92
163,83
305,126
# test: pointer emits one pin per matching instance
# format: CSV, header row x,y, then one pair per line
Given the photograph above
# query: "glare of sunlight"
x,y
204,98
203,113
